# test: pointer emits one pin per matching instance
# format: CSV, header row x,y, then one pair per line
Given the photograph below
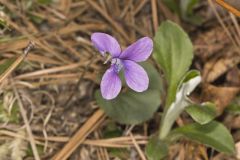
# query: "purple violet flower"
x,y
135,76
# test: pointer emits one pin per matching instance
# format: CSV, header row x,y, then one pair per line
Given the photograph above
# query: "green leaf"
x,y
12,116
184,8
35,18
173,50
156,149
187,7
202,114
113,131
3,23
29,152
44,2
213,134
233,108
190,75
131,107
173,5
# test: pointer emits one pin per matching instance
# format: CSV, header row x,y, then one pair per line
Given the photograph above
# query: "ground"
x,y
48,105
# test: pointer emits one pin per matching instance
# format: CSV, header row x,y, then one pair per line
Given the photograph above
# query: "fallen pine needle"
x,y
8,71
29,130
228,7
92,123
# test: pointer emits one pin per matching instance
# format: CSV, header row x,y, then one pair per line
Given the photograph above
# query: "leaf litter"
x,y
56,68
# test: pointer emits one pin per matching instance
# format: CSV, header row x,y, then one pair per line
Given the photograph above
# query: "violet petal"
x,y
136,77
110,84
138,51
106,43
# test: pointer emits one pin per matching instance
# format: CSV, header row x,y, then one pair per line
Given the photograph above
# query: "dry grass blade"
x,y
106,15
136,145
102,152
214,69
17,62
63,65
154,15
222,23
29,130
140,6
79,80
19,147
235,22
229,7
118,142
92,123
43,72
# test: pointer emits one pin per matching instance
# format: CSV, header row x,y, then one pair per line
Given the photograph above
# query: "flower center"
x,y
117,64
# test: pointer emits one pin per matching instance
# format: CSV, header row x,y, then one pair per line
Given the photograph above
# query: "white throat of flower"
x,y
117,64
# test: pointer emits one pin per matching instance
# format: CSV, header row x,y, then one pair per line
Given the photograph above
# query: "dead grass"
x,y
55,85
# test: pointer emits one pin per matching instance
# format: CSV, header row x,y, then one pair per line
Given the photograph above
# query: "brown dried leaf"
x,y
64,6
13,45
234,3
209,43
215,68
221,96
233,77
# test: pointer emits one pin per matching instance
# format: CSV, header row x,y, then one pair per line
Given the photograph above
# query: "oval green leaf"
x,y
173,50
156,149
213,134
131,107
187,7
233,108
203,113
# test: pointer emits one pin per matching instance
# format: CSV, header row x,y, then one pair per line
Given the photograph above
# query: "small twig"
x,y
139,7
237,27
22,110
129,130
66,104
222,23
25,119
8,71
109,19
154,15
117,142
140,152
92,123
228,7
